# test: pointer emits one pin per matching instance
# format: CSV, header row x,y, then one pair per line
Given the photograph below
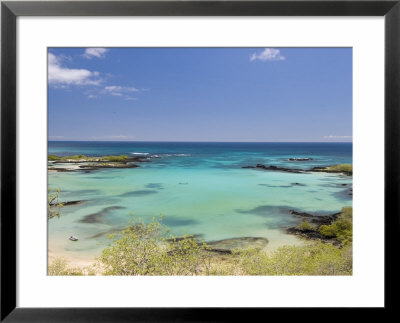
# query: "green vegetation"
x,y
347,168
59,267
305,226
314,259
114,158
146,249
143,249
53,157
53,205
121,158
341,228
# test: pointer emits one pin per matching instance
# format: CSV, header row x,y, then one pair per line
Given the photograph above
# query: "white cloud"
x,y
95,52
268,54
58,74
337,137
120,89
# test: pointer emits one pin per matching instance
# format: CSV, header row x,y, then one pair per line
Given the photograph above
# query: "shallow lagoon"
x,y
198,188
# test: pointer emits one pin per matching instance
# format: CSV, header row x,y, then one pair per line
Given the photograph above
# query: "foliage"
x,y
53,157
143,249
348,168
314,259
87,158
59,267
114,158
305,226
53,205
341,228
74,157
148,249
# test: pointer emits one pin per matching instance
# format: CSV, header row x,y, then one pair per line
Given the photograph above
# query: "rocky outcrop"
x,y
312,232
276,168
299,159
327,169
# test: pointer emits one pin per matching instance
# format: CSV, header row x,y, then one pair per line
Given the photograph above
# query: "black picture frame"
x,y
10,10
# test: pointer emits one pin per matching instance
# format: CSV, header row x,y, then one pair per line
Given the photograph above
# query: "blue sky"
x,y
200,94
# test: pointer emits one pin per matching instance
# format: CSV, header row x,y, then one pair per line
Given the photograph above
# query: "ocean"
x,y
198,188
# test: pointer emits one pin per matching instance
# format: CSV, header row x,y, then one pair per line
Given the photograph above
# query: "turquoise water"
x,y
198,188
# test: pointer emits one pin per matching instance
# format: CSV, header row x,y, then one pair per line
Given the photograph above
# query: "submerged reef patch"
x,y
138,193
98,217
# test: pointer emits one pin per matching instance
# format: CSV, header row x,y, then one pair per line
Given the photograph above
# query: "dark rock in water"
x,y
177,239
68,203
276,168
59,169
310,234
299,159
298,184
108,165
317,219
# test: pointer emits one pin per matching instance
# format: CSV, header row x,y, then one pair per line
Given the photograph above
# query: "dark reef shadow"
x,y
174,221
98,217
138,193
155,185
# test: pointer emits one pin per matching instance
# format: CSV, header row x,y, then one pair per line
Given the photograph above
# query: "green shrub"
x,y
315,259
53,157
114,158
305,226
342,228
348,168
143,249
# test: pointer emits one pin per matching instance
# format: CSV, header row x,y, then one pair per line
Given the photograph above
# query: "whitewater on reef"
x,y
197,188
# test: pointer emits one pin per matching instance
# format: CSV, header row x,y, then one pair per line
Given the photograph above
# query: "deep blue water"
x,y
221,154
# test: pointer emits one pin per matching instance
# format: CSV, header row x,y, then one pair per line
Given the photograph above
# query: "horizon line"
x,y
199,141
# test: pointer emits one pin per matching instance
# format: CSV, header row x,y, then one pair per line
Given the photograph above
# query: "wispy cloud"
x,y
95,52
268,54
337,137
59,74
120,89
114,137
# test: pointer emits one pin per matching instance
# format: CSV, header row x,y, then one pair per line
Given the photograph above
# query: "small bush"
x,y
52,157
305,226
114,158
342,228
348,168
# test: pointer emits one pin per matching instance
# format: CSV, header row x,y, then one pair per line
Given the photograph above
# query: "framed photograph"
x,y
179,160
